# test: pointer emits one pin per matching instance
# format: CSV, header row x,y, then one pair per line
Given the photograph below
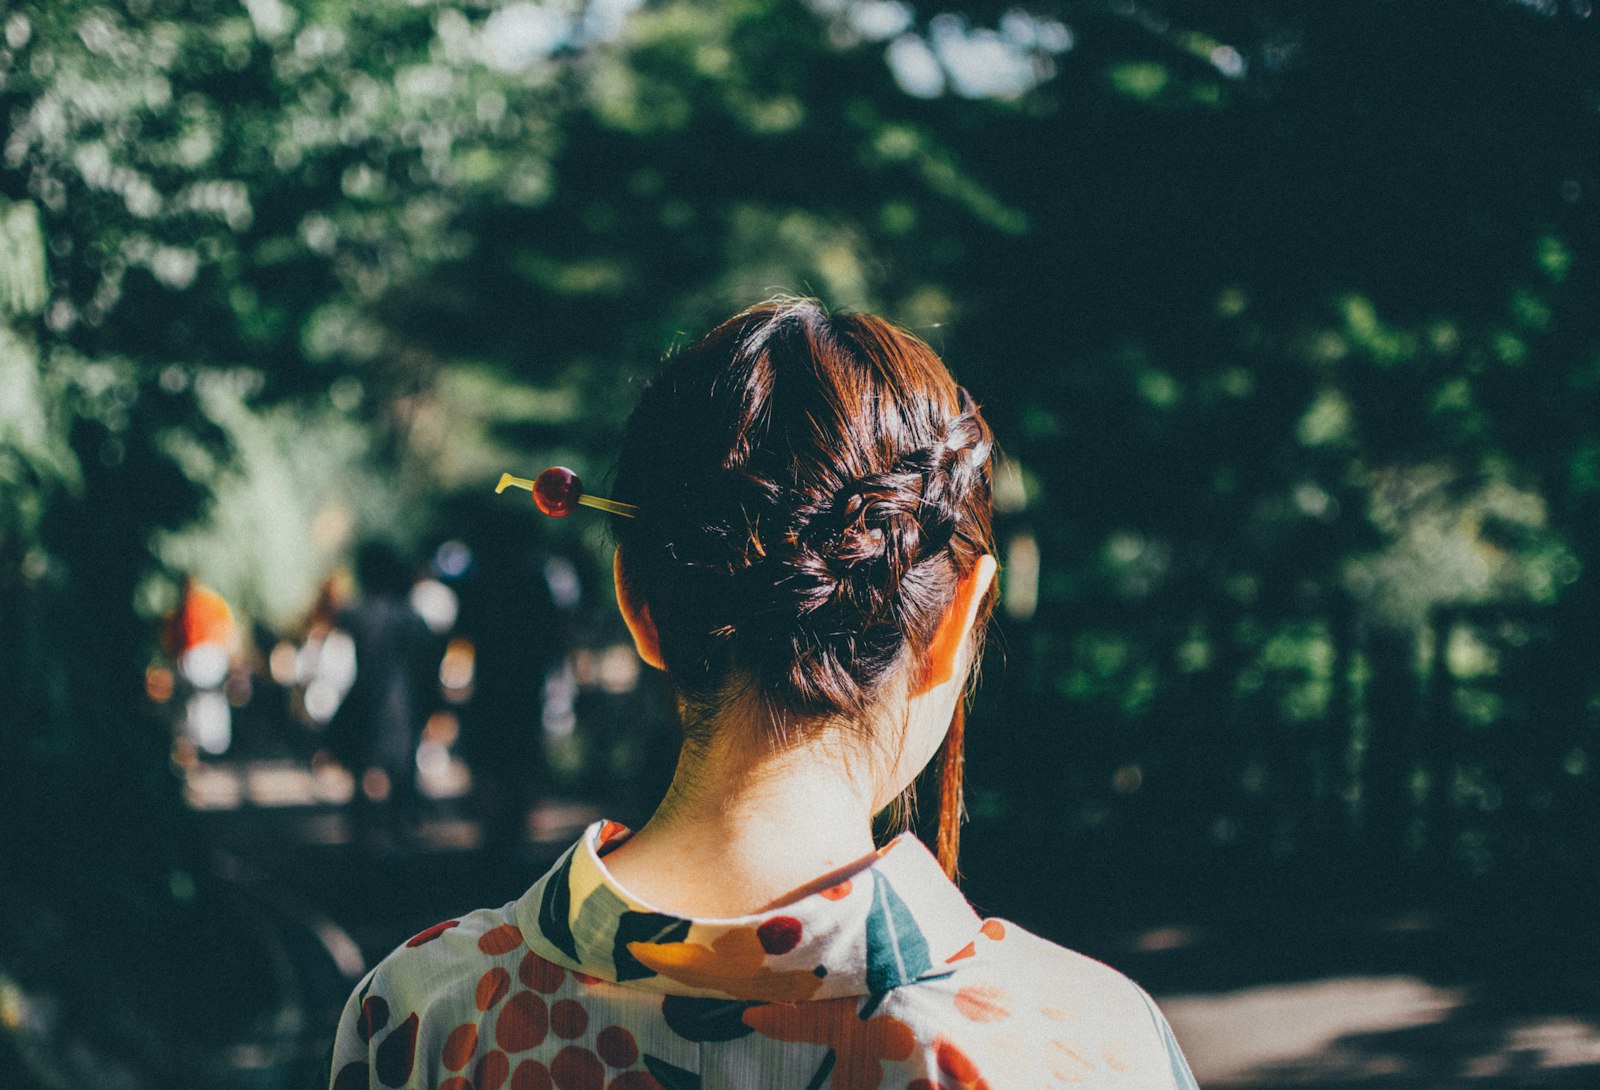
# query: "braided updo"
x,y
812,488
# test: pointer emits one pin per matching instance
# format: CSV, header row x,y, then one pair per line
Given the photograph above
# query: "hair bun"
x,y
817,487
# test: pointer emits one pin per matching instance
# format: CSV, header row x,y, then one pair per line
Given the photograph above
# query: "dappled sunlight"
x,y
1372,1031
1257,1036
1284,323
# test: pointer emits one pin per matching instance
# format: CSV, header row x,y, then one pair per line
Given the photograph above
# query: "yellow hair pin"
x,y
557,492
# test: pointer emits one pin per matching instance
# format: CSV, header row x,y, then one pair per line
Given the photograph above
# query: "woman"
x,y
810,562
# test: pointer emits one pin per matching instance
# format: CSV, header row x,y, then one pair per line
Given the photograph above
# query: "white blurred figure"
x,y
198,636
436,604
325,663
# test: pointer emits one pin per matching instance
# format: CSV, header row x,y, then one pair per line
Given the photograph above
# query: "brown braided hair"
x,y
811,490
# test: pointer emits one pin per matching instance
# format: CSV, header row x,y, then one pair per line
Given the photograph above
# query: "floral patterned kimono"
x,y
887,979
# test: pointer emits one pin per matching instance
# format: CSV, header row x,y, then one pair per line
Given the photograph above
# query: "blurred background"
x,y
1285,314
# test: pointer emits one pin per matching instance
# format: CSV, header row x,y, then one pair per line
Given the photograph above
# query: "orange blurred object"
x,y
202,617
158,684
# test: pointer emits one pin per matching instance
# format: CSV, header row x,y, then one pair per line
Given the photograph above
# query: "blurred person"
x,y
375,731
324,665
513,615
198,636
809,559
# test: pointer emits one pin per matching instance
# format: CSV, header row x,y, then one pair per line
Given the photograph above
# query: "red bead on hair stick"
x,y
557,492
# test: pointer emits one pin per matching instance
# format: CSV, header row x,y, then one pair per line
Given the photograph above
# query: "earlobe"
x,y
944,653
637,617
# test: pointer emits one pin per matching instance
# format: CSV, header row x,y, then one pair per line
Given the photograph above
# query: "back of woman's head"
x,y
812,488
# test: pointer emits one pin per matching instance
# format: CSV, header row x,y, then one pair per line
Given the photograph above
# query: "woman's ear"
x,y
637,618
944,653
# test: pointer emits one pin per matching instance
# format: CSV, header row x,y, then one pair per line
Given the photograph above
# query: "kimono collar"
x,y
896,920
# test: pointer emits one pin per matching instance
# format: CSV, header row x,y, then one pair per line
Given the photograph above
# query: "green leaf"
x,y
897,953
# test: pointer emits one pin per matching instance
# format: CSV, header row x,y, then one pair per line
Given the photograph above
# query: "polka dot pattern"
x,y
539,974
983,1003
460,1045
491,1071
635,1080
494,1006
577,1068
492,987
397,1053
374,1016
954,1062
568,1019
531,1075
616,1046
352,1076
502,940
779,935
524,1023
423,937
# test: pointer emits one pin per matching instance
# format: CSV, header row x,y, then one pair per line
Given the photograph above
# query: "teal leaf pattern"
x,y
555,908
594,928
643,927
671,1076
897,952
706,1019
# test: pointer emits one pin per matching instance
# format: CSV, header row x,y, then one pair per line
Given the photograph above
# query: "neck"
x,y
745,826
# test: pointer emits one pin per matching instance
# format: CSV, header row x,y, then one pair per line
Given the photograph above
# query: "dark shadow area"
x,y
1283,315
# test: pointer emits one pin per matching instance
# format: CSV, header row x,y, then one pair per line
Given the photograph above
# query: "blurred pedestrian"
x,y
198,636
375,730
324,665
512,612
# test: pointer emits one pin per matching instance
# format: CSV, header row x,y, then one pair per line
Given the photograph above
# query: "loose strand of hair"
x,y
952,766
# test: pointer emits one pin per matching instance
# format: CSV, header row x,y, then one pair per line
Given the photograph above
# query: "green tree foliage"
x,y
1282,313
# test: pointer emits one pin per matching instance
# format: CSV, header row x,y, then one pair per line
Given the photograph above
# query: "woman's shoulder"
x,y
1019,1003
431,980
451,955
1049,967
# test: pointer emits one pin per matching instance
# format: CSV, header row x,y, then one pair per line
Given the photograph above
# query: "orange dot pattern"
x,y
577,1068
568,1019
954,1062
502,940
492,987
460,1045
523,1023
531,1075
539,974
616,1047
983,1003
535,1024
635,1080
422,938
492,1071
